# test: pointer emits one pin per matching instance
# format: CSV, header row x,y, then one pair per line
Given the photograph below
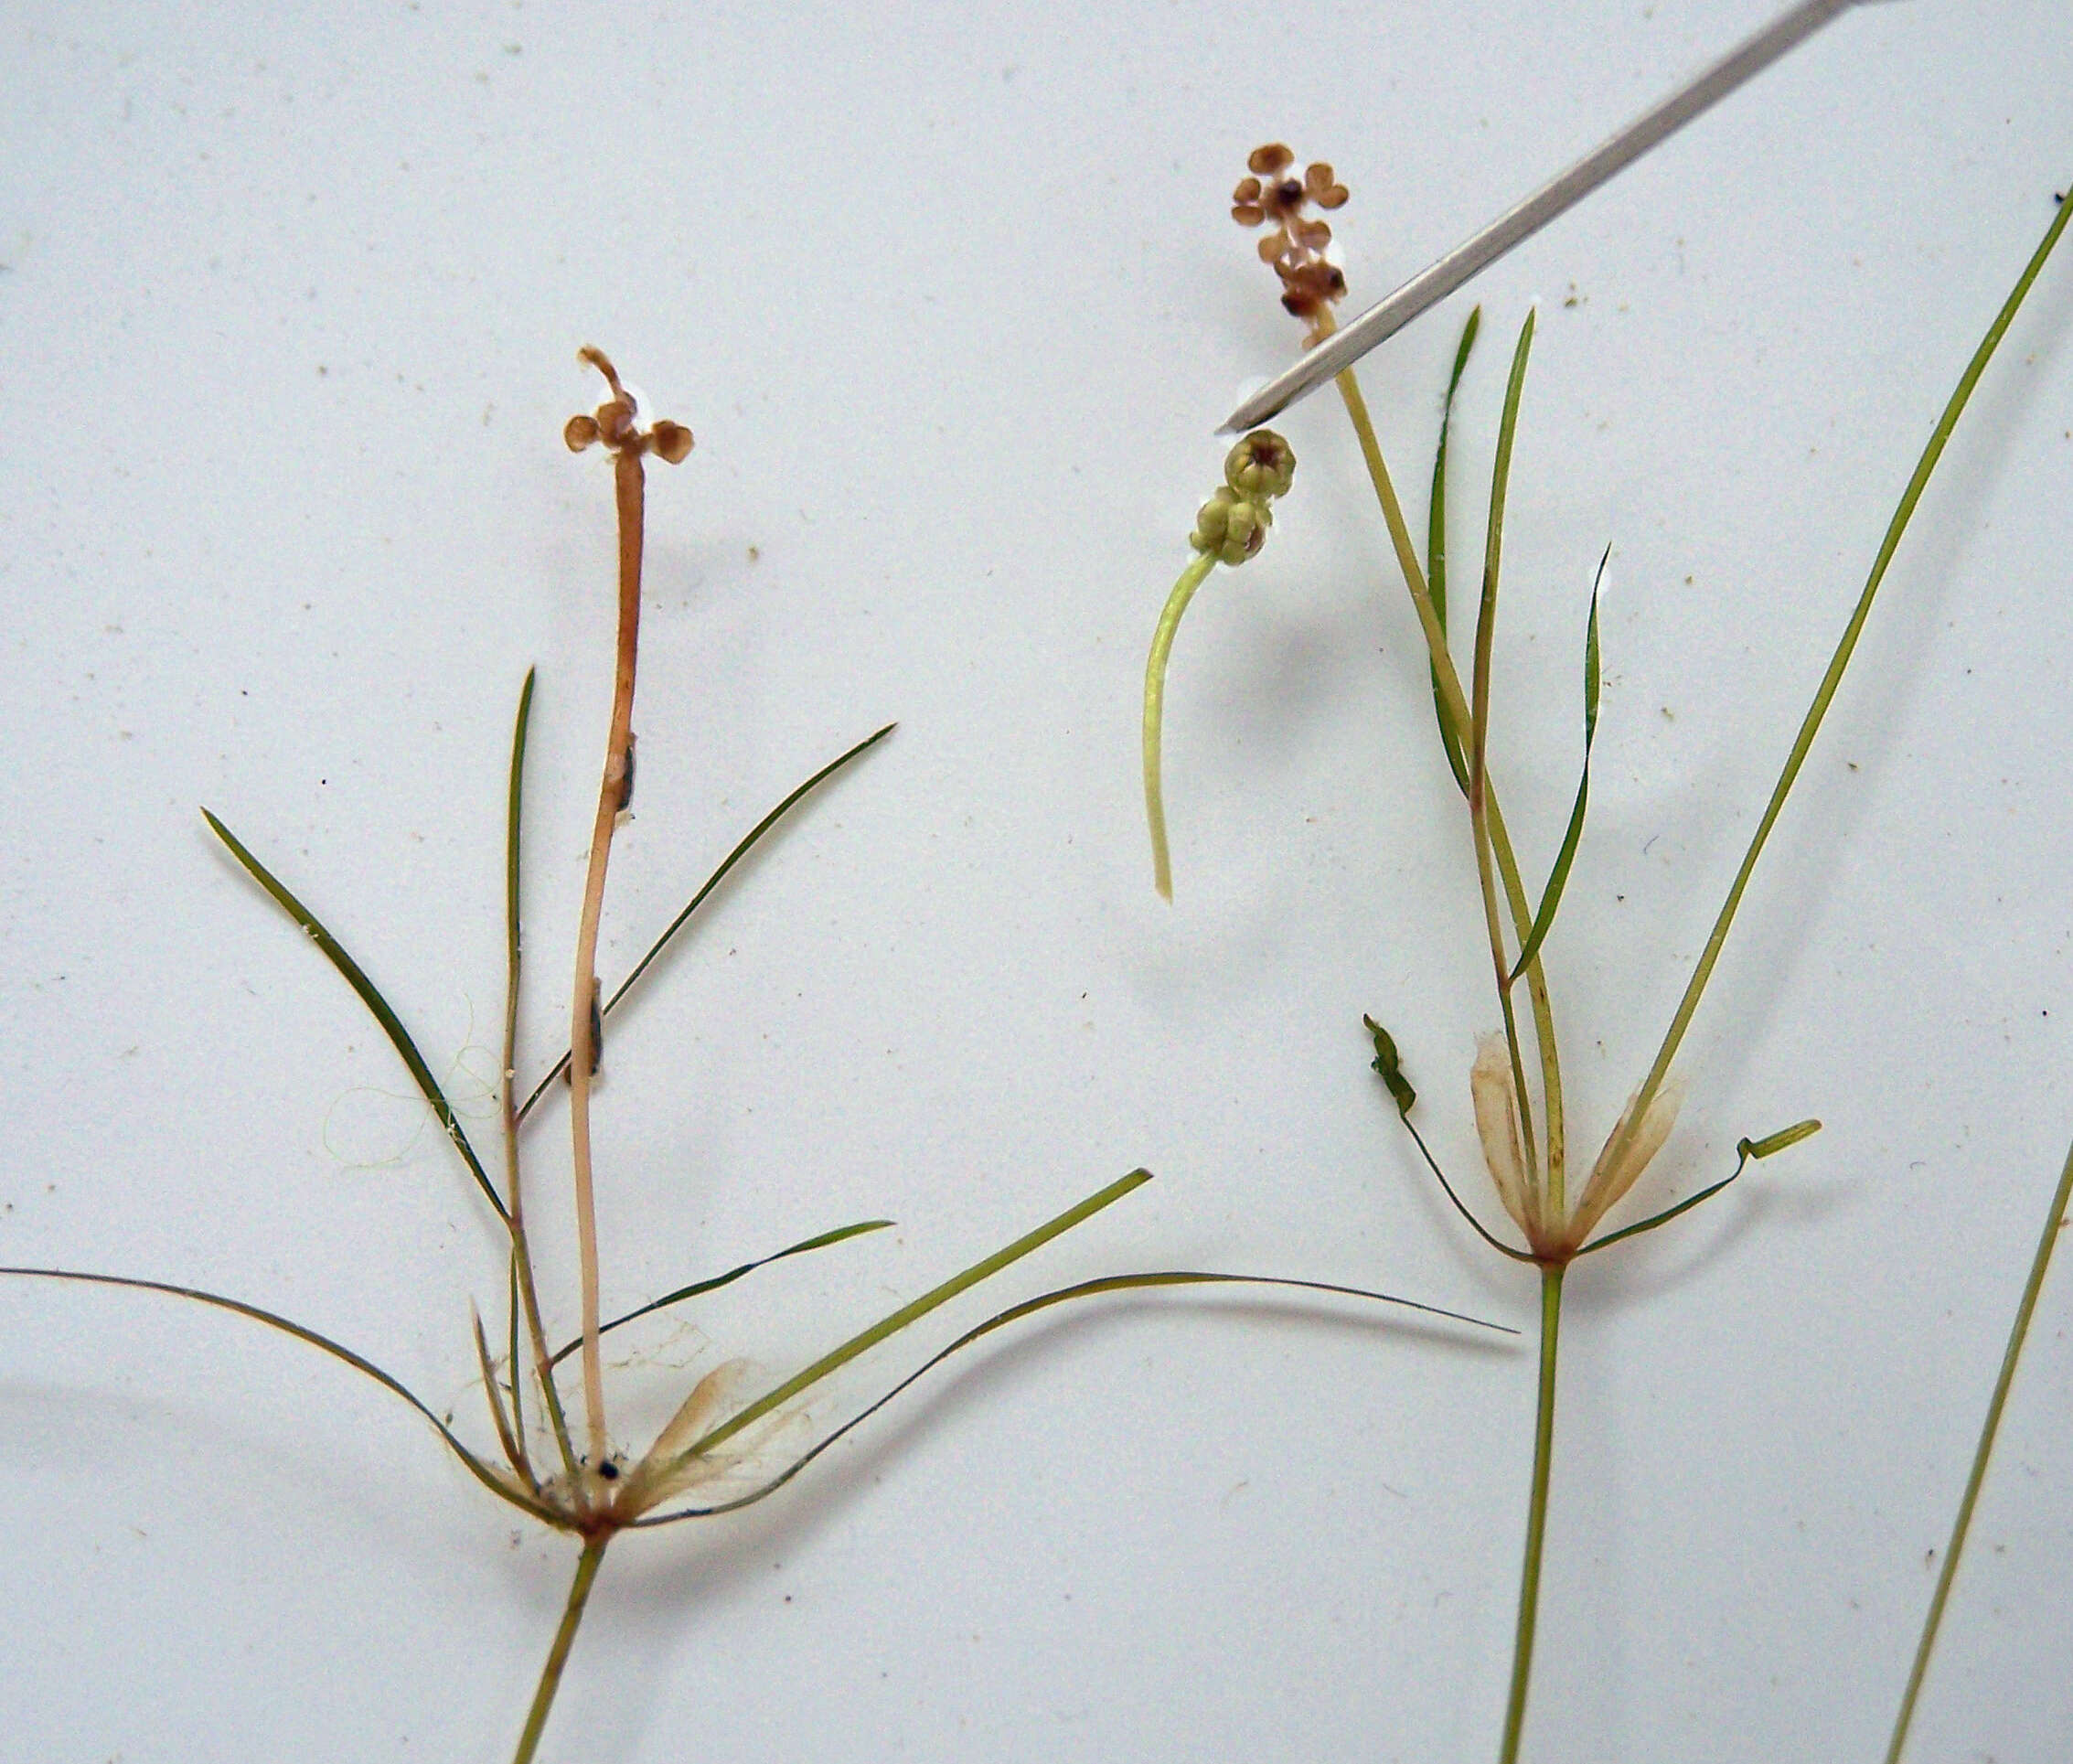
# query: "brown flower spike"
x,y
1310,283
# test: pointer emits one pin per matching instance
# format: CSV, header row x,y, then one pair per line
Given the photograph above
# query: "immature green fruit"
x,y
1261,466
1229,528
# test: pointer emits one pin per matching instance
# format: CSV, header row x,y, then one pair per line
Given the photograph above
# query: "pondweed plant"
x,y
1516,1081
562,1464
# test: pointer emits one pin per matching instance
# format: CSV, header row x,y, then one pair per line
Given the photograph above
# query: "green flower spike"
x,y
1229,528
1261,466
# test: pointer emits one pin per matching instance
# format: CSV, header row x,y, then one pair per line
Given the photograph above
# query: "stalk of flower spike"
x,y
1230,528
1311,285
615,424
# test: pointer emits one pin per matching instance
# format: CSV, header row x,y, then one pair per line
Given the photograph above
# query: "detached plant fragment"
x,y
1516,1081
561,1463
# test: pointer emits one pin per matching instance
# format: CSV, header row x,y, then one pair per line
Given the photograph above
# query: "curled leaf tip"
x,y
1390,1064
1756,1149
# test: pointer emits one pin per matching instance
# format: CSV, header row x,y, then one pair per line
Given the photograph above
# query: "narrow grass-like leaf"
x,y
727,1279
524,1290
524,1464
391,1025
1748,1152
891,1325
1479,771
498,1419
513,816
1493,536
712,882
1030,1306
475,1467
2018,1334
1564,860
1390,1064
1839,662
1435,546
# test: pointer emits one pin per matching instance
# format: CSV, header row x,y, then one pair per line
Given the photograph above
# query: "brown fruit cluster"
x,y
617,423
1274,195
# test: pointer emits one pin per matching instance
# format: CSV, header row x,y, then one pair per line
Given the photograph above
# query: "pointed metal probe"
x,y
1431,285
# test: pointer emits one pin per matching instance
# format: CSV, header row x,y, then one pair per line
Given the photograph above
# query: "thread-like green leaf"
x,y
1747,1152
1385,1062
827,1237
1839,662
1494,538
1030,1306
1479,818
514,806
475,1467
1572,836
712,882
517,1377
391,1025
498,1419
1975,1480
891,1325
1436,545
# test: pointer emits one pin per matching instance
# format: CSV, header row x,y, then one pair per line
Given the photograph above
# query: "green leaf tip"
x,y
1572,835
741,850
1772,1142
713,1283
1390,1064
378,1006
1747,1152
890,1325
1436,545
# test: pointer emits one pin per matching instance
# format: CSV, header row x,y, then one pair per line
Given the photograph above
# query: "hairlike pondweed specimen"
x,y
576,1476
1525,1148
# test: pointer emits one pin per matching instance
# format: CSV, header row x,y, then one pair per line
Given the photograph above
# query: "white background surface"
x,y
289,312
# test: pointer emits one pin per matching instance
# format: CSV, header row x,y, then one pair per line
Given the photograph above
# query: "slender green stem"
x,y
1811,726
1537,1517
1457,706
2053,1220
1191,578
558,1655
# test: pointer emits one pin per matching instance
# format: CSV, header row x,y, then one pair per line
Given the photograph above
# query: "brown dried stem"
x,y
615,425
